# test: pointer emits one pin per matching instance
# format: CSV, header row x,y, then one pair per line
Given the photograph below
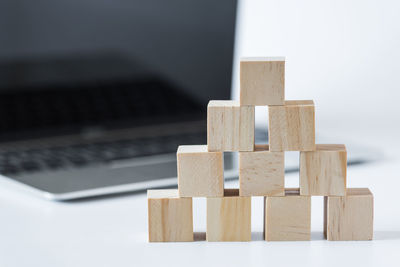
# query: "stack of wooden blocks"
x,y
348,212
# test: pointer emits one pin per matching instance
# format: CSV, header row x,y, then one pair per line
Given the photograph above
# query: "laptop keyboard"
x,y
81,155
48,110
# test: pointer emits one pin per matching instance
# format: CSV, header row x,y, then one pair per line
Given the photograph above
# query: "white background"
x,y
342,54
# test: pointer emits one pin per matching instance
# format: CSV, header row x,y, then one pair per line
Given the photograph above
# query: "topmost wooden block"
x,y
262,81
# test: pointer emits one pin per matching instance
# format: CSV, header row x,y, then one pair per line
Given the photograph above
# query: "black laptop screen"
x,y
73,64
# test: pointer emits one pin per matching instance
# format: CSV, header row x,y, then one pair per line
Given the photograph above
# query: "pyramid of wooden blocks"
x,y
262,81
287,218
262,172
170,217
323,171
348,212
349,217
292,126
229,217
200,173
230,127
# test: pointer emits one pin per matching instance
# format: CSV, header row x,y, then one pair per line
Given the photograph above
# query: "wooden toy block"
x,y
200,173
287,218
262,172
229,217
170,217
262,81
230,127
292,126
323,172
349,217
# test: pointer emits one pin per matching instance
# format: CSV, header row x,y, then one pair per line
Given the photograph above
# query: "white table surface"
x,y
113,231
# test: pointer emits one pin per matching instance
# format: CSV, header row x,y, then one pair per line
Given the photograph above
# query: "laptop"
x,y
95,99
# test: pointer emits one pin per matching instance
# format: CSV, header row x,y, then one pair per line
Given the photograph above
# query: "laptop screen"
x,y
67,65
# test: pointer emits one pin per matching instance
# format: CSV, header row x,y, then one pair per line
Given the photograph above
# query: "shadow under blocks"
x,y
348,212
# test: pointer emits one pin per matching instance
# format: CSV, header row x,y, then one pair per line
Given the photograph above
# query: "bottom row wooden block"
x,y
349,217
170,217
286,218
229,217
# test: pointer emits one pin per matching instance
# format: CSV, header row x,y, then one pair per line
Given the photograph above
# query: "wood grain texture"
x,y
349,217
323,172
287,218
262,172
229,217
292,126
262,81
230,127
200,173
170,217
